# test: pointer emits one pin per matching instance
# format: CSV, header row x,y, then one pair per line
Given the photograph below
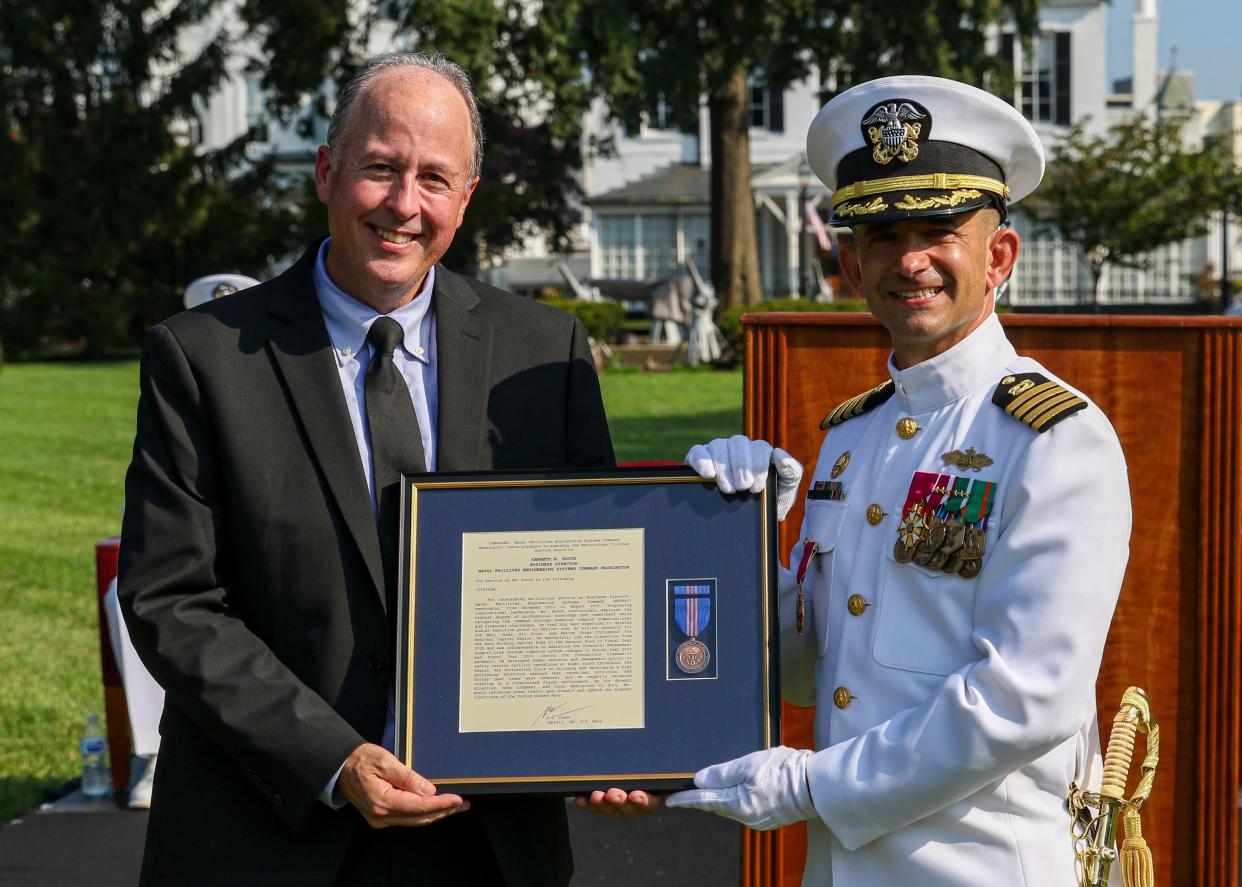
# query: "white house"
x,y
648,205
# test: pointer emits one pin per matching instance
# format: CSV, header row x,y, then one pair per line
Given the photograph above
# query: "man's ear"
x,y
461,213
1002,256
323,167
849,267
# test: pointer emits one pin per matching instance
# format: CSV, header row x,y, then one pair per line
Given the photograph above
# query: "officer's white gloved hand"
x,y
763,790
740,464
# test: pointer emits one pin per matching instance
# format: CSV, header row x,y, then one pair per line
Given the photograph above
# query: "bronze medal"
x,y
954,534
953,565
931,542
909,535
970,568
974,543
692,656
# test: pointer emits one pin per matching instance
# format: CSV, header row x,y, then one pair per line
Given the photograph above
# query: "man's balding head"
x,y
338,126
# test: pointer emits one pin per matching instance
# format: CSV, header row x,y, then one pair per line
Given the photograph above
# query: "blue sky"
x,y
1205,32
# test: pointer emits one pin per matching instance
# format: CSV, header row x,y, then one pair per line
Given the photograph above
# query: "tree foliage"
x,y
526,69
647,52
1225,176
108,212
1121,193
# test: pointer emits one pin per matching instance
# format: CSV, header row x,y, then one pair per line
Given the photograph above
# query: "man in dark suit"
x,y
258,564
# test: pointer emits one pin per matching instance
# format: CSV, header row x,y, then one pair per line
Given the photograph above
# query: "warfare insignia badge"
x,y
894,129
969,460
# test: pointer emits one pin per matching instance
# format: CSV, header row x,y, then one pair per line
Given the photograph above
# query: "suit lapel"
x,y
463,351
300,346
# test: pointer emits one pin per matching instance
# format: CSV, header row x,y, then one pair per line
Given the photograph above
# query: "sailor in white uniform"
x,y
966,533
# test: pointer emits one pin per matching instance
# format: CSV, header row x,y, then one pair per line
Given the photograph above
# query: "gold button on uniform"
x,y
856,604
906,427
875,513
842,697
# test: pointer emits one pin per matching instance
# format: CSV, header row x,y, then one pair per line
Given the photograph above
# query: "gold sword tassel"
x,y
1132,718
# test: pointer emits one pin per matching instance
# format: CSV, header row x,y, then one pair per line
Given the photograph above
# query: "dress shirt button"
x,y
856,604
875,513
376,663
347,351
906,427
842,697
419,351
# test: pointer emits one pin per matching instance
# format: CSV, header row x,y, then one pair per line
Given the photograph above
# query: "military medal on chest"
x,y
944,523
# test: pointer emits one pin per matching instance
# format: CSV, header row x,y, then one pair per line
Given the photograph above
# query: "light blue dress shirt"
x,y
348,322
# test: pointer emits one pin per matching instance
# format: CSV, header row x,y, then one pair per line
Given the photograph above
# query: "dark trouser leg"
x,y
453,852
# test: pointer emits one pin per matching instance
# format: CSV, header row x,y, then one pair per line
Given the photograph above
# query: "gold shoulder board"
x,y
859,404
1036,400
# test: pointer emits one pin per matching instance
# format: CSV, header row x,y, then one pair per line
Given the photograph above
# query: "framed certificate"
x,y
567,631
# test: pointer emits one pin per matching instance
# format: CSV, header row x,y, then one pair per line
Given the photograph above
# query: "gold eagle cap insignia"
x,y
969,460
893,132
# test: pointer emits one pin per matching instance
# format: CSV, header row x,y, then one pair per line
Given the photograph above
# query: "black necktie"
x,y
396,443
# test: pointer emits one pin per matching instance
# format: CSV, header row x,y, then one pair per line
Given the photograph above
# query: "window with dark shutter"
x,y
776,110
1062,81
1007,55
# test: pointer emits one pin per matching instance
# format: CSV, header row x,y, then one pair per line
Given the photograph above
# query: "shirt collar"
x,y
971,363
348,320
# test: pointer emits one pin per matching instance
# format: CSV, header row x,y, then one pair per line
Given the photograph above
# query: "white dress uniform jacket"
x,y
952,714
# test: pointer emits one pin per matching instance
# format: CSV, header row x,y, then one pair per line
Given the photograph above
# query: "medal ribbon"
x,y
979,505
808,551
940,490
960,486
921,486
827,489
692,613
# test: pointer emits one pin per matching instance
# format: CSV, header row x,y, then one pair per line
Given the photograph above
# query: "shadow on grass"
x,y
643,438
21,793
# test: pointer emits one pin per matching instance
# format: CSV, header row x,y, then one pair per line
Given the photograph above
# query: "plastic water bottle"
x,y
94,771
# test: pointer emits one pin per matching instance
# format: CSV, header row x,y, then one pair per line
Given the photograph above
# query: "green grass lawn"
x,y
65,436
661,415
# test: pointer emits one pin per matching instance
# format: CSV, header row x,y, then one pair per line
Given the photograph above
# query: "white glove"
x,y
763,790
739,464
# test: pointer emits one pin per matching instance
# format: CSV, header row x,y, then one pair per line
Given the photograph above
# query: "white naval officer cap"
x,y
215,286
913,146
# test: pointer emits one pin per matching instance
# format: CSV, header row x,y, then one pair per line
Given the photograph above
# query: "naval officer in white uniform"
x,y
966,533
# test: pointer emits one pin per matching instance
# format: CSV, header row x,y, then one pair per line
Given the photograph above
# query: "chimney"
x,y
1143,58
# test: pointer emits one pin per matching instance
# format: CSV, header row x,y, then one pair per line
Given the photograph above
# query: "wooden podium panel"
x,y
1170,386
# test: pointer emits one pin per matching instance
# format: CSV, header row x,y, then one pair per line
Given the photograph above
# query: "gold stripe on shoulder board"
x,y
859,404
1035,400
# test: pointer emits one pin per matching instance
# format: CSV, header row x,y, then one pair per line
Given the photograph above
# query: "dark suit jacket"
x,y
250,570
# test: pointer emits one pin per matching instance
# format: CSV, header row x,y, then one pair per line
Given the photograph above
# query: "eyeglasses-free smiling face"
x,y
930,281
398,191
